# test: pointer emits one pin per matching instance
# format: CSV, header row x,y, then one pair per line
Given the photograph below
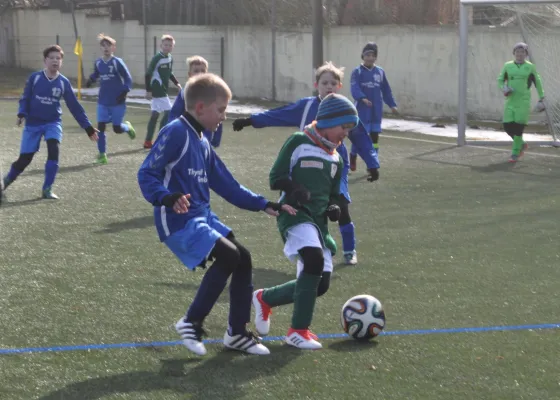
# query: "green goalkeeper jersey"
x,y
160,71
520,78
319,171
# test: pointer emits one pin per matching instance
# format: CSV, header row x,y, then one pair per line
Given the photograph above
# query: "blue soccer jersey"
x,y
114,79
182,161
40,101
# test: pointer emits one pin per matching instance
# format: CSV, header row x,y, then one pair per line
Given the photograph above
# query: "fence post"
x,y
222,56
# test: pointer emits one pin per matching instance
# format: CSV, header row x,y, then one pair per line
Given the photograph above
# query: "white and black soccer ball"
x,y
363,317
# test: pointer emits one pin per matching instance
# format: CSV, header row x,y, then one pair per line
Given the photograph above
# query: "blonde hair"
x,y
206,88
168,37
196,60
104,38
338,72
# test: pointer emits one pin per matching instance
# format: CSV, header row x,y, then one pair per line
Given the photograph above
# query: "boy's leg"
x,y
51,168
119,126
103,118
17,168
347,232
164,119
30,142
151,127
375,139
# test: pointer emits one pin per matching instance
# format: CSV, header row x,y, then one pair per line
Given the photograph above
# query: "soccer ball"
x,y
363,317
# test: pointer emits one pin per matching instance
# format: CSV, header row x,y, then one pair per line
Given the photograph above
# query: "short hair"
x,y
196,60
167,37
104,38
206,88
52,49
338,72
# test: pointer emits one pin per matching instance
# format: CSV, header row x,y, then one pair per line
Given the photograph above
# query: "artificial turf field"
x,y
449,238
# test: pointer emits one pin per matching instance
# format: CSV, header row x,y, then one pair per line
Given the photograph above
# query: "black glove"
x,y
241,123
299,195
89,83
373,174
122,97
20,115
169,200
90,130
274,206
333,212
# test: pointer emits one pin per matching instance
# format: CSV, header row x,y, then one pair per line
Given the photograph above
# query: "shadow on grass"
x,y
226,375
129,224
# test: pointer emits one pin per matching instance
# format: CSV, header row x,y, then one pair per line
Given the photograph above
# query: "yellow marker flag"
x,y
79,51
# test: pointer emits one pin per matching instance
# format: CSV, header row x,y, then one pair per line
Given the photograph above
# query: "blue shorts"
x,y
343,151
31,137
114,114
195,241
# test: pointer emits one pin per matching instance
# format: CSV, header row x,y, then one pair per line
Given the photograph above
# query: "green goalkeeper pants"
x,y
517,112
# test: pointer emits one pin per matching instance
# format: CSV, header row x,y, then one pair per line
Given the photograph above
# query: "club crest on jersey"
x,y
334,168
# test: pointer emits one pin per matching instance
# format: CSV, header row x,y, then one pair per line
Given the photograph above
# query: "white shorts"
x,y
305,235
161,104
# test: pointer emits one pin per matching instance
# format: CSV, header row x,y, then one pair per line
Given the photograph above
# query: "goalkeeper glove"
x,y
540,107
299,195
241,123
507,90
333,212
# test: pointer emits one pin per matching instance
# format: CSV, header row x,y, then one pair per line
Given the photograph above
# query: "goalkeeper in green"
x,y
308,172
515,80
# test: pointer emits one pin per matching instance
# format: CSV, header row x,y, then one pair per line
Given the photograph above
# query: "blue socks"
x,y
102,142
51,168
348,238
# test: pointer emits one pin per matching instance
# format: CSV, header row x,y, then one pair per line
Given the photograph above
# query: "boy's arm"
x,y
360,139
23,110
174,80
538,82
357,93
93,77
224,184
387,92
166,149
502,77
76,109
178,107
150,72
125,73
333,209
217,136
289,115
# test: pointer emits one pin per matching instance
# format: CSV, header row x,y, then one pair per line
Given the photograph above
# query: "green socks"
x,y
152,126
305,295
517,145
164,119
280,295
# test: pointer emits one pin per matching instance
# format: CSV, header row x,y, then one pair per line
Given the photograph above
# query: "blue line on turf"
x,y
278,338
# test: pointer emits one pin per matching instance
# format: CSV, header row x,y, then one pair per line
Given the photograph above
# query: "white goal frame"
x,y
463,54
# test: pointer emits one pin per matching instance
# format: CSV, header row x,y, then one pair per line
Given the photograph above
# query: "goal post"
x,y
499,25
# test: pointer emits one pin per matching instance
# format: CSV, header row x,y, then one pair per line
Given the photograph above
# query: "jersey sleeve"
x,y
25,98
357,93
289,115
502,77
150,72
538,82
387,92
125,73
335,188
74,106
166,149
225,185
178,107
95,75
281,168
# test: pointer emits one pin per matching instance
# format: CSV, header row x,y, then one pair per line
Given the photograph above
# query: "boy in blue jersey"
x,y
370,88
176,178
328,79
39,106
195,65
115,82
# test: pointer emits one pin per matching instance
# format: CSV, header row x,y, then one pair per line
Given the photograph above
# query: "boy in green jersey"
x,y
515,80
308,171
158,75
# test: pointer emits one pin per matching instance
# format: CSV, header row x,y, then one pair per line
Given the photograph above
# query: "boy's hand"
x,y
121,98
19,120
179,87
333,212
367,102
394,110
89,83
373,174
149,95
507,91
92,133
274,208
241,123
299,194
179,202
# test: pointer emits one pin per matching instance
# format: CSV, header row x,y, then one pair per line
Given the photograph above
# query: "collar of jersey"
x,y
190,120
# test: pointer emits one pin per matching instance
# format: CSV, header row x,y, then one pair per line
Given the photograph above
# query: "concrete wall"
x,y
421,62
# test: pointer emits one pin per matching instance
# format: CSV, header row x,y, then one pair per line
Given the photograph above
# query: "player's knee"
x,y
345,218
118,129
226,254
324,283
313,260
101,126
23,161
52,149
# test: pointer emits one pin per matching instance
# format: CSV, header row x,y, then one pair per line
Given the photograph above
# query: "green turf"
x,y
449,237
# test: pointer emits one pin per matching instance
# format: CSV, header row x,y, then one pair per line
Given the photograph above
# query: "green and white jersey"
x,y
319,171
158,75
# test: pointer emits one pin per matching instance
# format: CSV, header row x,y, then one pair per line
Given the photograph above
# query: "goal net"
x,y
488,31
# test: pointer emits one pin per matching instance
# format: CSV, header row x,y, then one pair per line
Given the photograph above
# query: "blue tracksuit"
x,y
371,84
299,114
215,138
182,161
